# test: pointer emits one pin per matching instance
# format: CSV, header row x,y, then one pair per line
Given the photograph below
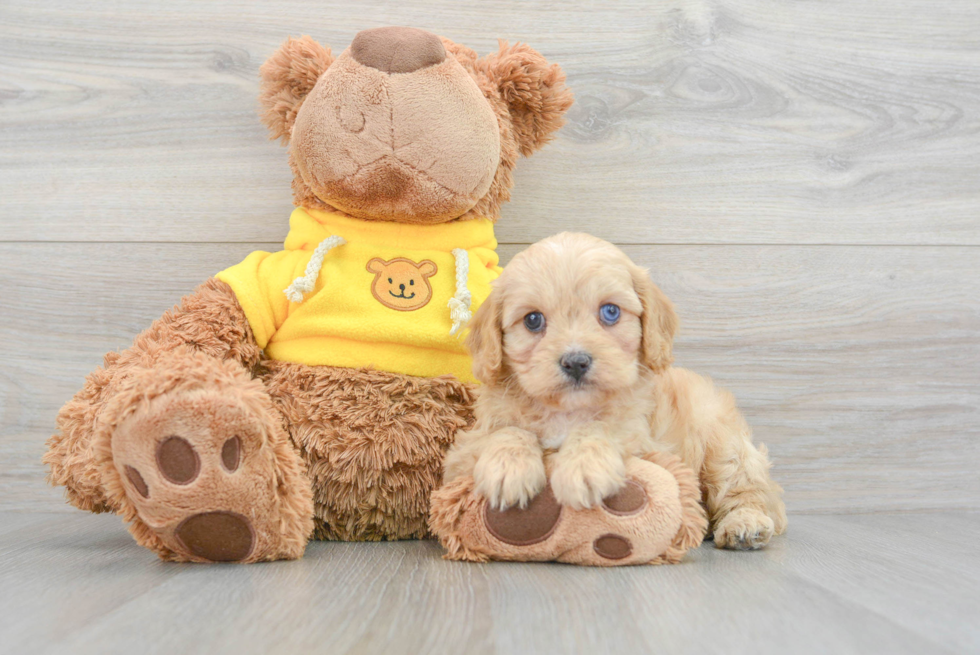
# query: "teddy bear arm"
x,y
210,321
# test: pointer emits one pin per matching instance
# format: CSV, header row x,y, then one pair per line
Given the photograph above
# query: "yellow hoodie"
x,y
364,294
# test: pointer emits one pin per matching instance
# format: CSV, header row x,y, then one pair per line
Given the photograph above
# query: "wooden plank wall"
x,y
802,178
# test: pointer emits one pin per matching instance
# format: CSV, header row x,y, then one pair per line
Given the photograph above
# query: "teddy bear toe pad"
x,y
201,475
631,499
524,527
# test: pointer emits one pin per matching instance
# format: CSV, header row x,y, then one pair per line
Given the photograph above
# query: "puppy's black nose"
x,y
575,365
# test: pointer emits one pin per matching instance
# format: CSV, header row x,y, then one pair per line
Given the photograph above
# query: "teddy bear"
x,y
312,392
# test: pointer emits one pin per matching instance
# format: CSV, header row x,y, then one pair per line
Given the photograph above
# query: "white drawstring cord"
x,y
459,305
304,284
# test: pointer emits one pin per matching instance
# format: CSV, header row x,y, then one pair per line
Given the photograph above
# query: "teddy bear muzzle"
x,y
397,129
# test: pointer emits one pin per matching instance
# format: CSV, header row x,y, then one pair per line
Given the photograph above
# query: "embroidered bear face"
x,y
401,283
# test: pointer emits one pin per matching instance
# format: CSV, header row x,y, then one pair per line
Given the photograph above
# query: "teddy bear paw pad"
x,y
217,536
612,546
201,475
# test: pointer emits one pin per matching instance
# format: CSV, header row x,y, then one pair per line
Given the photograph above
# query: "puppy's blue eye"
x,y
534,321
609,314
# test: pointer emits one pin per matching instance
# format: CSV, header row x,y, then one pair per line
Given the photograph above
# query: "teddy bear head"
x,y
395,285
406,126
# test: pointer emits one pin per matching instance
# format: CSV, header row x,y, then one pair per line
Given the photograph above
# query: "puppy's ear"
x,y
485,340
288,76
658,322
534,91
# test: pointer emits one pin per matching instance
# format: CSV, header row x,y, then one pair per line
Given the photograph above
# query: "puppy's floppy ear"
x,y
534,91
658,321
485,340
287,78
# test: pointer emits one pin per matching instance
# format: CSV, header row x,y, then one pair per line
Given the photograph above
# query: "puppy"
x,y
574,350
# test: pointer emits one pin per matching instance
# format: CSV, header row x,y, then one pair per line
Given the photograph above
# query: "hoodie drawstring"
x,y
459,305
305,283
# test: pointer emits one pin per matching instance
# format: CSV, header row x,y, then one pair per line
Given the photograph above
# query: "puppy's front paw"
x,y
509,477
744,529
582,480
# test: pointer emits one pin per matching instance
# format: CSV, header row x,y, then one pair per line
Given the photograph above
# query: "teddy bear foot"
x,y
654,519
207,482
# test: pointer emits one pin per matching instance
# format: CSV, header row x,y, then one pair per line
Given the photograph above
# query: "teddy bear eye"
x,y
411,282
389,280
534,321
609,314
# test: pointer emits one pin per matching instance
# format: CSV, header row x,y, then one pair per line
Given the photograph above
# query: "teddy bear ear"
x,y
427,268
287,77
534,91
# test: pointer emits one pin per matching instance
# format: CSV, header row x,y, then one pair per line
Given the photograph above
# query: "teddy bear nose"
x,y
402,287
397,49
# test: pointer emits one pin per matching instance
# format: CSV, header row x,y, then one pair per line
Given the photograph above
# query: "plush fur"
x,y
269,453
669,522
630,402
373,443
455,169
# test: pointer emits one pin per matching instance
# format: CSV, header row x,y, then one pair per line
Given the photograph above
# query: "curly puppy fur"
x,y
630,401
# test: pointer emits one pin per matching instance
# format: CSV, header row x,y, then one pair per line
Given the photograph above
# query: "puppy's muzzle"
x,y
575,365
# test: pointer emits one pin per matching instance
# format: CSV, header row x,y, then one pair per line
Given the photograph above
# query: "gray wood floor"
x,y
883,583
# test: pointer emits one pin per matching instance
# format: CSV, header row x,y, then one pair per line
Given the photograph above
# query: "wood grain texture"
x,y
697,121
859,367
896,583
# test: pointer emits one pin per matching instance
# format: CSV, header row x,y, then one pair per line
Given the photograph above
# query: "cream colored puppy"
x,y
573,347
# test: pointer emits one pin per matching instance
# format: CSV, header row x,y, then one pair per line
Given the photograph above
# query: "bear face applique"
x,y
401,283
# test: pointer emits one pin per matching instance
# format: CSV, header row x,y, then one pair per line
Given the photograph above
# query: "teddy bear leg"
x,y
69,455
373,443
210,319
228,485
194,454
655,518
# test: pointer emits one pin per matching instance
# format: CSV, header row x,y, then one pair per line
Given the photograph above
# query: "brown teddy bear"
x,y
314,391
